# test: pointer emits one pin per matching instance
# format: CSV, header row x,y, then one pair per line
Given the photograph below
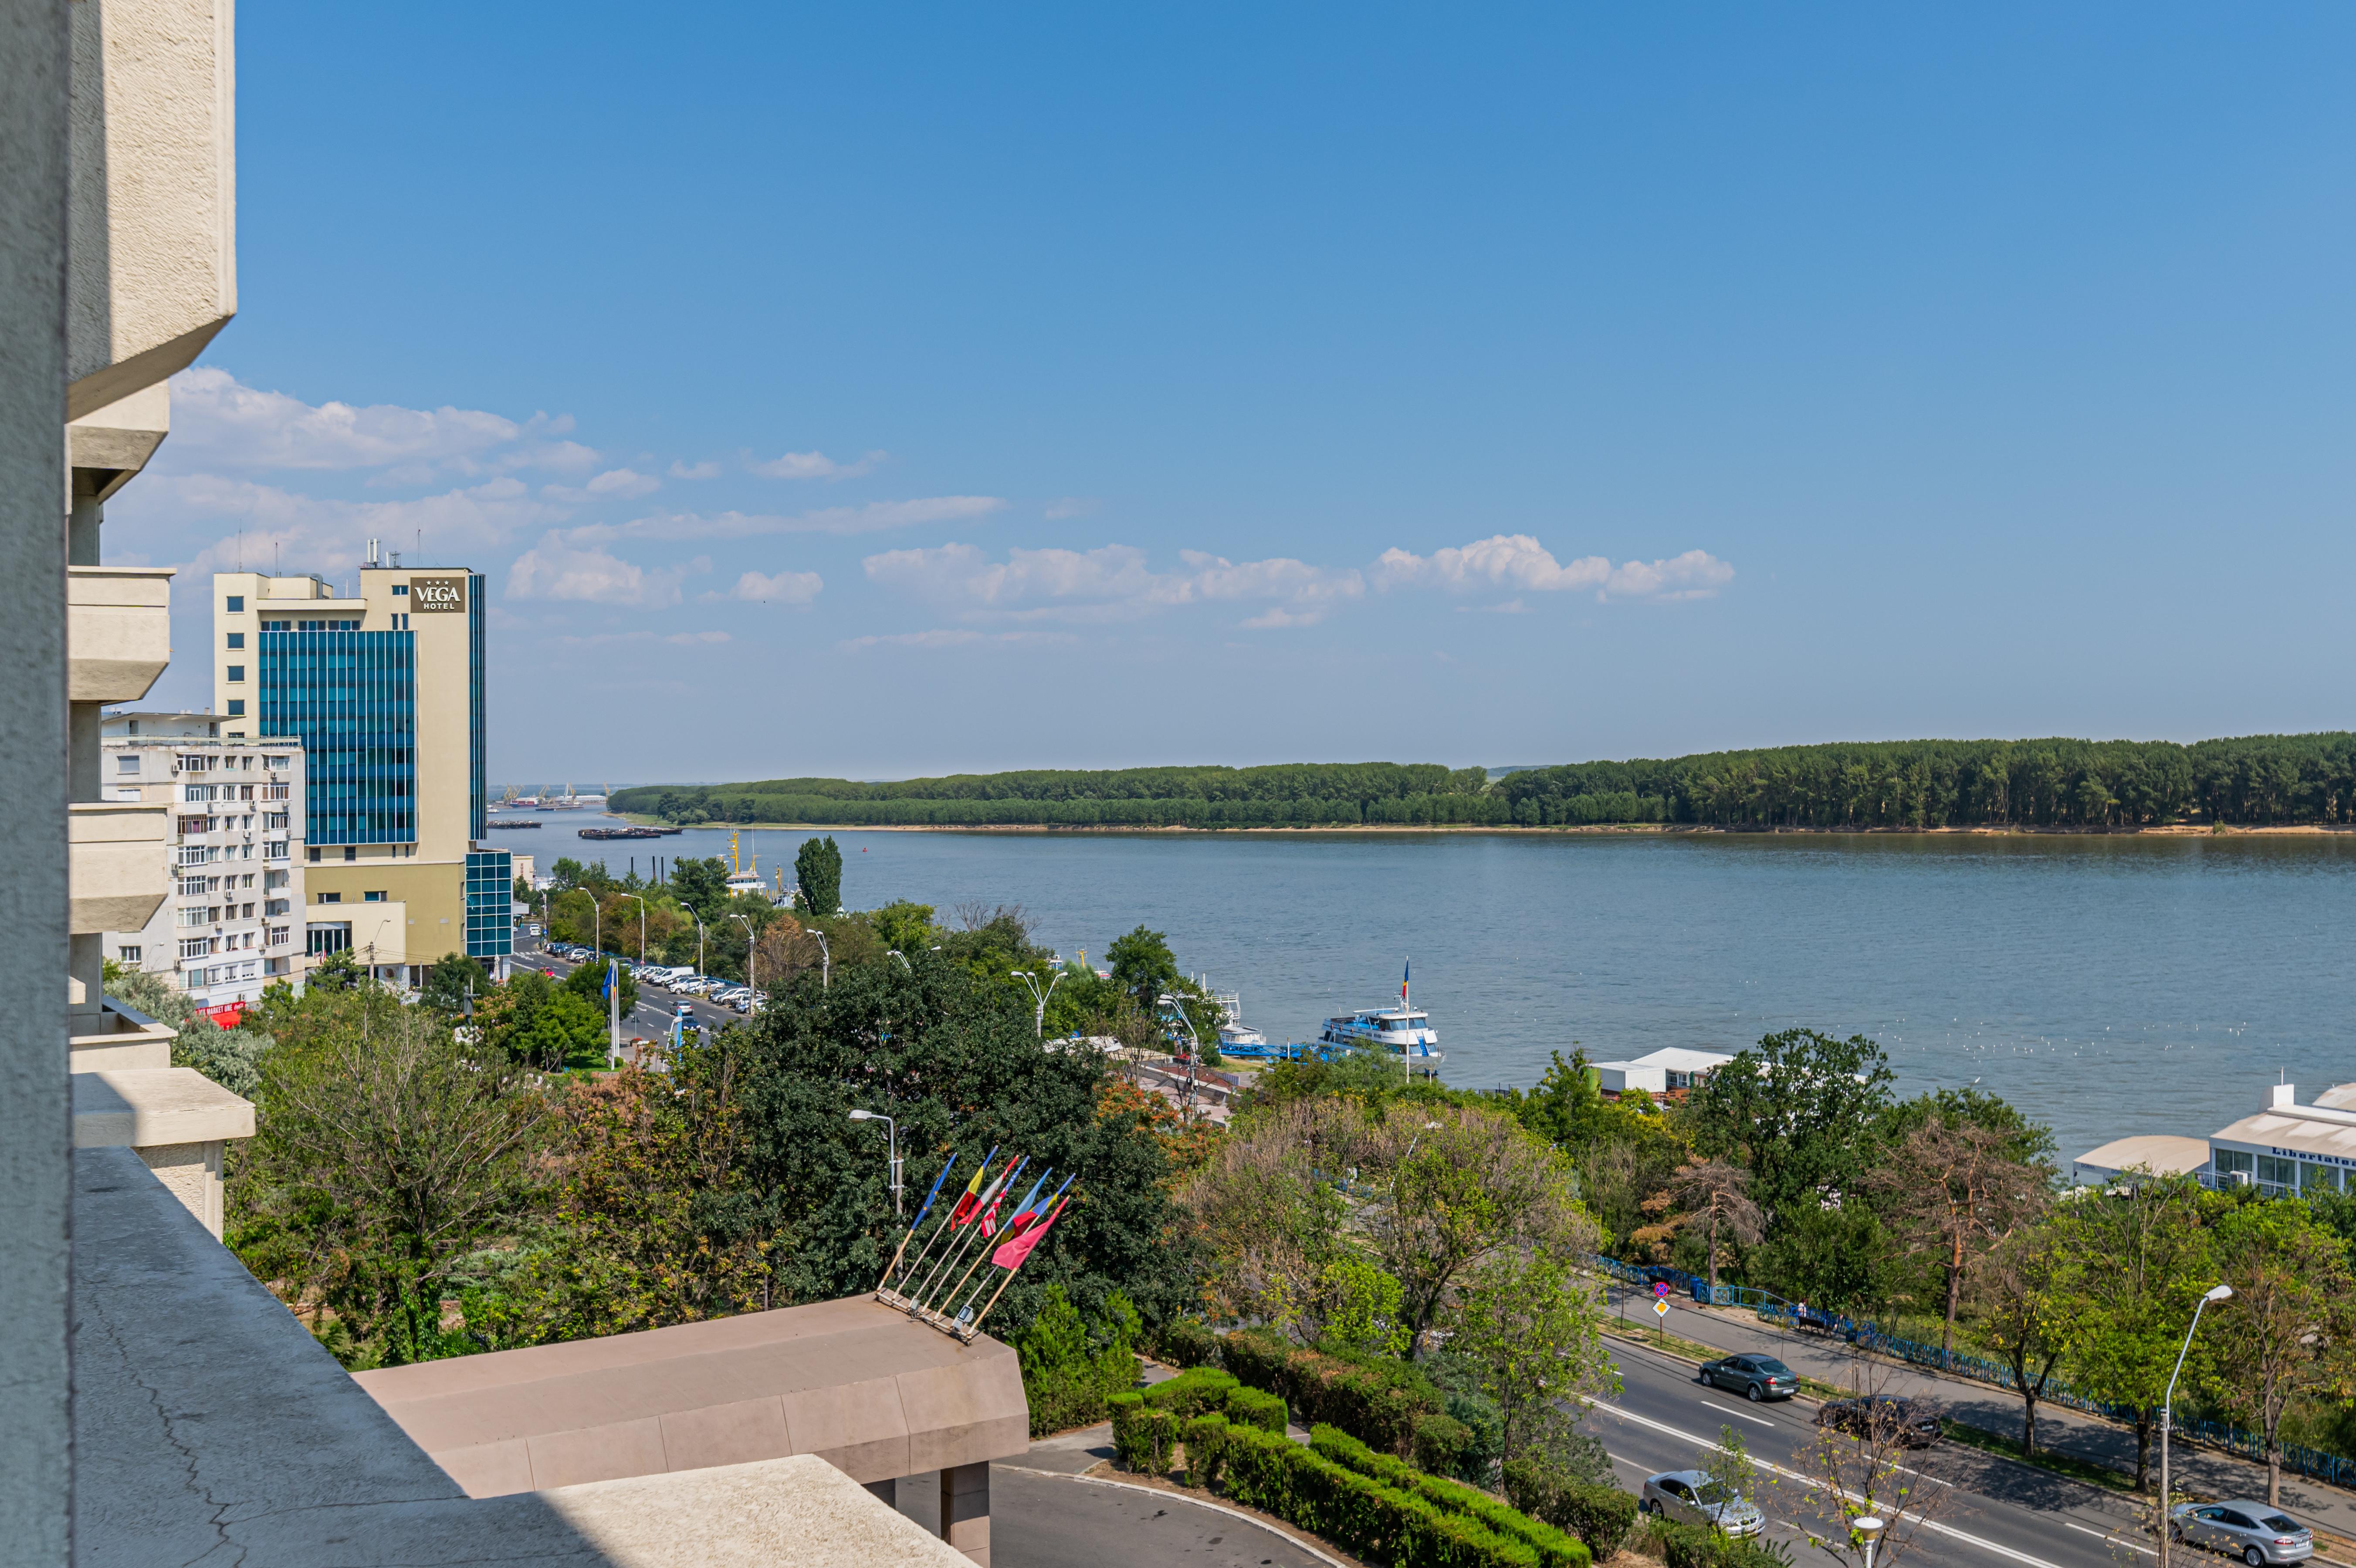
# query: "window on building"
x,y
331,897
374,897
278,625
400,590
237,672
236,641
2278,1177
126,764
351,852
195,946
237,704
237,603
128,954
274,906
2315,1177
326,938
313,854
275,848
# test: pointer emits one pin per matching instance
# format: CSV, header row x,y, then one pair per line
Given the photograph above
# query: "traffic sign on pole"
x,y
1660,1308
1661,1289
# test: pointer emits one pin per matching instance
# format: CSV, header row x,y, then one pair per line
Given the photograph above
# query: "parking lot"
x,y
651,1017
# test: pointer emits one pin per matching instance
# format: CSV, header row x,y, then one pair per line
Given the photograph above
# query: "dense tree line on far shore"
x,y
2253,781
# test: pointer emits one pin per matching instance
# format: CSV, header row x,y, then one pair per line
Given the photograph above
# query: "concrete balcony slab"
x,y
123,1040
119,866
118,631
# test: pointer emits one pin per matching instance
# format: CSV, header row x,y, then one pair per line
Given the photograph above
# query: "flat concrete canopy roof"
x,y
855,1383
2162,1154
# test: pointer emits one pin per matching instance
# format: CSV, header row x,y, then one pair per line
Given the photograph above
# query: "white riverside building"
x,y
1659,1071
233,922
2284,1151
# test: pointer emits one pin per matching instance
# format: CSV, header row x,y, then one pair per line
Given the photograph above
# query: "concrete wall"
x,y
36,1438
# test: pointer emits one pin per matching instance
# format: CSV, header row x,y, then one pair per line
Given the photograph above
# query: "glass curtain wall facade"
x,y
352,697
490,890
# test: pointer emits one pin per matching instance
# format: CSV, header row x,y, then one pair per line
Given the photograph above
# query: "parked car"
x,y
694,985
1689,1497
1756,1377
2257,1533
663,976
1910,1423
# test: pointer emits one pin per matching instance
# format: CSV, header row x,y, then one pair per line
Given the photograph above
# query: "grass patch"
x,y
2061,1464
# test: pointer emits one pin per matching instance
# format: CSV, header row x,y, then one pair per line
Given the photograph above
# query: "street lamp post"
x,y
896,953
891,1146
747,925
1869,1529
1039,1018
825,962
642,929
1427,1128
2215,1293
698,943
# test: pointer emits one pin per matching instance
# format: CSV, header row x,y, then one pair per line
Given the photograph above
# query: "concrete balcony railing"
x,y
118,866
118,631
118,1039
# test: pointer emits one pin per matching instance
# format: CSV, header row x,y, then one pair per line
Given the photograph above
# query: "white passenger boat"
x,y
1235,1037
1403,1029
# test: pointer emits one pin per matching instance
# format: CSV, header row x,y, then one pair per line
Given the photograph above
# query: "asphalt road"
x,y
653,1014
1991,1511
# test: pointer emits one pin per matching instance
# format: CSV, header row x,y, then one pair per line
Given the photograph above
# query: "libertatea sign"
x,y
433,594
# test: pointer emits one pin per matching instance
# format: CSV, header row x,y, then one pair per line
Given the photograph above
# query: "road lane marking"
x,y
2110,1538
1181,1496
1931,1524
1742,1415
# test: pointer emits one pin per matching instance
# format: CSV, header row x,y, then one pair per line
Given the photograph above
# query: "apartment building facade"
x,y
384,690
234,922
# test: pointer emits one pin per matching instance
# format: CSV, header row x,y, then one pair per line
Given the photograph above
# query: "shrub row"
x,y
1601,1516
1386,1404
1358,1513
1554,1549
1147,1423
1691,1546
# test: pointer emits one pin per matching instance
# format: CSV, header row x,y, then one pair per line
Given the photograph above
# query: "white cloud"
x,y
1518,562
1070,507
218,419
688,639
951,637
874,518
1109,583
221,521
622,483
553,569
780,588
814,465
706,470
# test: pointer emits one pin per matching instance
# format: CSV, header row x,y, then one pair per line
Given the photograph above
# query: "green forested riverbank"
x,y
2253,781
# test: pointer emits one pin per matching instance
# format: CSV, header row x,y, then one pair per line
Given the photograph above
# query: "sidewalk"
x,y
2201,1471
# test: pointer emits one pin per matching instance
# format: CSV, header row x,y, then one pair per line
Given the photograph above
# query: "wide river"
x,y
2107,986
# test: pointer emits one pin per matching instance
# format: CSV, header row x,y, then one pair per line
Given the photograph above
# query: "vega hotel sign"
x,y
433,594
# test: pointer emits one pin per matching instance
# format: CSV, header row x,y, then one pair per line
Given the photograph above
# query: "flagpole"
x,y
1008,1179
956,1253
910,1233
944,1226
1046,1217
976,1325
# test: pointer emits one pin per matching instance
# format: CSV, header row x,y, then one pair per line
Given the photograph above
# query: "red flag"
x,y
1011,1255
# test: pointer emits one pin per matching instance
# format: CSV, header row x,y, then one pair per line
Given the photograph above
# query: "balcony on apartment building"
x,y
118,631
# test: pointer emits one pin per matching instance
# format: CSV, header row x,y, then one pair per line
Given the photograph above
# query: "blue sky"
x,y
878,390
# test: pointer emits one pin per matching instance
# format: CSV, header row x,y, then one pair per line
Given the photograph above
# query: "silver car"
x,y
2257,1533
1689,1497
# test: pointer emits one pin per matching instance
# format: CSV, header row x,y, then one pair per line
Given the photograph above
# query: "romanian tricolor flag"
x,y
970,1198
967,1214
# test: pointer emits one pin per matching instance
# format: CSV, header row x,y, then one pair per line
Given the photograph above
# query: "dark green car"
x,y
1756,1377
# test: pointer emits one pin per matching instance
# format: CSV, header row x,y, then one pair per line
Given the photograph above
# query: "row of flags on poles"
x,y
985,1223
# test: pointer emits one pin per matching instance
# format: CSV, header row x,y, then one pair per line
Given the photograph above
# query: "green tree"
x,y
2022,1315
905,928
229,1057
587,982
451,981
701,885
1952,1192
1535,1332
386,1153
818,869
1799,1109
1142,965
2130,1262
339,971
1729,1476
2282,1335
1071,1366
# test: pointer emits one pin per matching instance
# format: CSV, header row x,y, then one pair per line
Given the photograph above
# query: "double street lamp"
x,y
642,928
892,1147
749,940
1039,1018
826,962
2215,1293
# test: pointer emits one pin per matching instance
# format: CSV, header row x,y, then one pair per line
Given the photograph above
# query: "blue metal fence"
x,y
1776,1309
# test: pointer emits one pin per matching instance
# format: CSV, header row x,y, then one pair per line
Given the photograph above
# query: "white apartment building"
x,y
233,923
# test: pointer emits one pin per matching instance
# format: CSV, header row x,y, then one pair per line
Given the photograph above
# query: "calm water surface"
x,y
2110,985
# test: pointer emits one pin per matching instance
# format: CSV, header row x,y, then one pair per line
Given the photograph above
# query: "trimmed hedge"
x,y
1601,1516
1257,1407
1690,1546
1206,1438
1192,1393
1189,1342
1439,1442
1142,1434
1356,1512
1552,1547
1375,1398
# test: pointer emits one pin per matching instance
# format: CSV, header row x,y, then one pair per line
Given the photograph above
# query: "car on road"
x,y
666,977
1756,1377
2257,1533
1690,1496
1909,1423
